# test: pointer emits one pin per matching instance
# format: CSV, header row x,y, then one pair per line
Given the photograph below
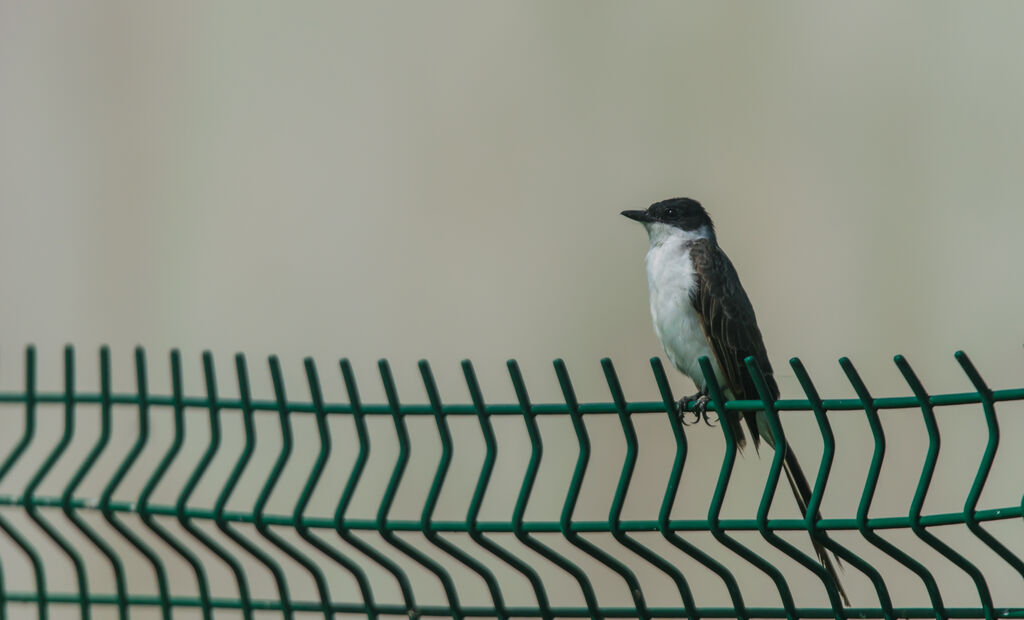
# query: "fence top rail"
x,y
299,406
31,394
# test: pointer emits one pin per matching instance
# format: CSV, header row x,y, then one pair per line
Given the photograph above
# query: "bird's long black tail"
x,y
802,492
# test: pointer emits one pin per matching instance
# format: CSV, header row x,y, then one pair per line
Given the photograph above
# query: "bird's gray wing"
x,y
727,318
730,326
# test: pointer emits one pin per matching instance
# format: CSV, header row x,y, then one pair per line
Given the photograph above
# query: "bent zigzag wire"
x,y
316,531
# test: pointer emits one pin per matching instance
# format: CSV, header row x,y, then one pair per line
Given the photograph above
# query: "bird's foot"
x,y
681,410
699,411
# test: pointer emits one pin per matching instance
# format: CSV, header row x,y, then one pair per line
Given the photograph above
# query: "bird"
x,y
699,308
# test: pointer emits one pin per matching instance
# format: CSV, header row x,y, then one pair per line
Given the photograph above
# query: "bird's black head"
x,y
684,213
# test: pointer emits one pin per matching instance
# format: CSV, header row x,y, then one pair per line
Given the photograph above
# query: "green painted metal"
x,y
870,486
828,453
340,522
105,503
769,493
218,514
483,481
314,476
260,538
202,466
161,470
287,444
536,451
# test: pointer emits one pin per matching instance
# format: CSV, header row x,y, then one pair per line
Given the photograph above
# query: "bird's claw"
x,y
699,411
681,413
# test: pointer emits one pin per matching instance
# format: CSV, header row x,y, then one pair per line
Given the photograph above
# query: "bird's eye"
x,y
670,213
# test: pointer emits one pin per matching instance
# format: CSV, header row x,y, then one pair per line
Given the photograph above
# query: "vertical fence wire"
x,y
715,510
358,468
671,491
828,454
241,464
924,483
483,481
618,503
985,466
769,493
209,376
871,485
536,451
315,475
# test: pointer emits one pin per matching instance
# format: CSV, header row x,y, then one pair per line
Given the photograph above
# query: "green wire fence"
x,y
257,539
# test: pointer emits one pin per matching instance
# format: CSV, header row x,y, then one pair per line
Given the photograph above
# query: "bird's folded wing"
x,y
730,326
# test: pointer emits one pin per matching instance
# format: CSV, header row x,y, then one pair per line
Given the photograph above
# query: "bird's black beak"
x,y
640,216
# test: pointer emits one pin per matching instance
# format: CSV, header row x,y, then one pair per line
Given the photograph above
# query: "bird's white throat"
x,y
660,234
672,279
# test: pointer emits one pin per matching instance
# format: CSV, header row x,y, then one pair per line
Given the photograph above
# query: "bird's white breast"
x,y
671,278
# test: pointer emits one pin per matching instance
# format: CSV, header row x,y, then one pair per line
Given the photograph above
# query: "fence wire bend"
x,y
258,533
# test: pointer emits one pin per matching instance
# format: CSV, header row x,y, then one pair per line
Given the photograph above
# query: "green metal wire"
x,y
564,524
76,479
985,466
307,492
387,501
234,565
340,522
105,504
664,523
435,491
56,516
827,456
161,469
715,510
574,538
618,503
769,492
925,481
12,458
315,572
32,509
219,514
483,481
871,484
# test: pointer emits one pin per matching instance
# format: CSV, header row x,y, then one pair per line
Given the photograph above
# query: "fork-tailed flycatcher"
x,y
700,309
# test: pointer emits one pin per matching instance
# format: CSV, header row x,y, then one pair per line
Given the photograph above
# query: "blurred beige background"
x,y
444,180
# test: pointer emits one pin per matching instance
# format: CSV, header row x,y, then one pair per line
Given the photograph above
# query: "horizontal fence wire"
x,y
258,539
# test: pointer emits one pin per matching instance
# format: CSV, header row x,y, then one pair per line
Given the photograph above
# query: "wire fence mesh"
x,y
114,504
